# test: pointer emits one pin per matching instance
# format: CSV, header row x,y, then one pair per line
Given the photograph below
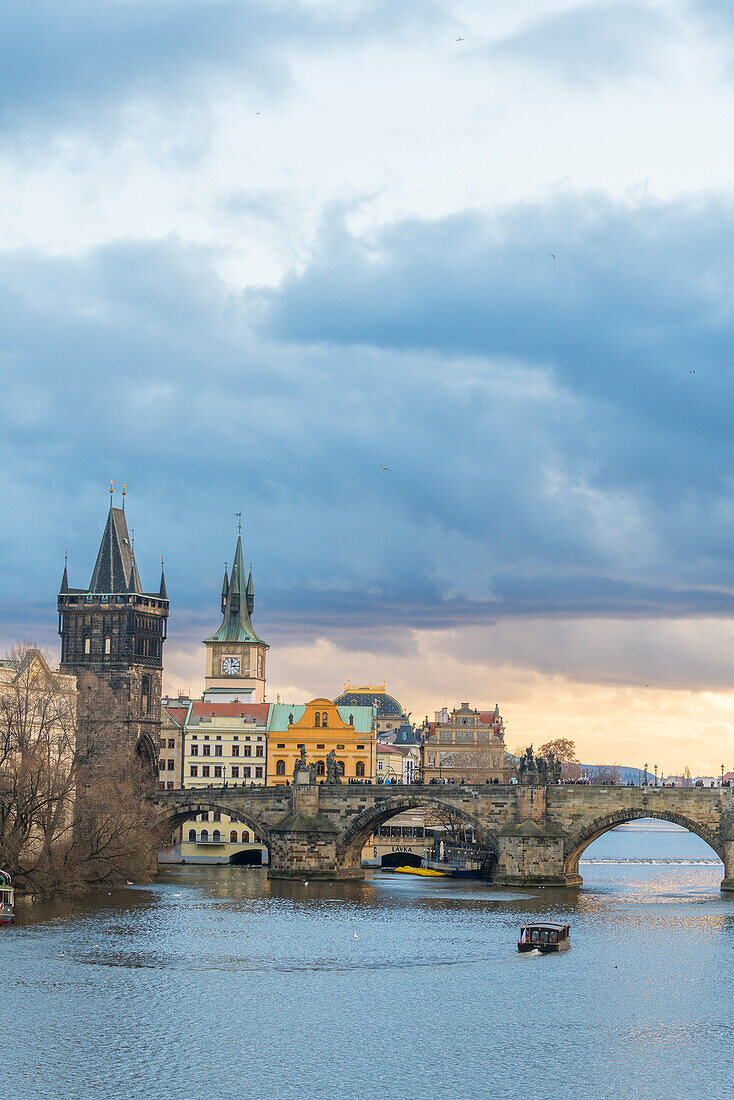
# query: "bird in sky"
x,y
356,936
553,255
691,372
385,468
459,39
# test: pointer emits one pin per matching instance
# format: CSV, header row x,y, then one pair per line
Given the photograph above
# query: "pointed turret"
x,y
225,588
162,591
115,569
250,593
236,625
65,579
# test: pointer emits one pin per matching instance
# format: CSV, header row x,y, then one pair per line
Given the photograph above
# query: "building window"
x,y
317,722
233,837
259,750
281,746
194,750
280,767
145,700
247,772
235,750
245,836
340,767
258,773
340,746
170,765
320,767
87,646
235,772
206,750
360,746
324,719
217,750
216,836
172,744
194,771
204,836
247,750
162,766
217,771
192,834
169,786
359,771
216,815
205,771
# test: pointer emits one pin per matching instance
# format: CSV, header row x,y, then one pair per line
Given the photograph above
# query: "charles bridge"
x,y
535,835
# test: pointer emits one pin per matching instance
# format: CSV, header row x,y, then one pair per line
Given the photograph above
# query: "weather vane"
x,y
239,522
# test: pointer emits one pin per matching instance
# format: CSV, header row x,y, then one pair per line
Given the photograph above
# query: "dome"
x,y
387,707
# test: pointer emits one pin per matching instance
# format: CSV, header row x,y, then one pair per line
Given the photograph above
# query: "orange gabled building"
x,y
319,727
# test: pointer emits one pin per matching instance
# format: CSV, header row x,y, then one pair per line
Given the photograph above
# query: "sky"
x,y
252,252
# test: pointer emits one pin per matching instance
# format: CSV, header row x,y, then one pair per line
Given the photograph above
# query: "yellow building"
x,y
320,727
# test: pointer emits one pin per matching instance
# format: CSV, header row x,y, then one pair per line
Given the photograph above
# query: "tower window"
x,y
87,646
107,646
324,719
318,720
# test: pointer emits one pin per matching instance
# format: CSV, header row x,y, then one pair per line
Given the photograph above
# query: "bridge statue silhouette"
x,y
535,835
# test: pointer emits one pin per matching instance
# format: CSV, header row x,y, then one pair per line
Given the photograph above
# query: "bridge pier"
x,y
728,882
531,854
303,844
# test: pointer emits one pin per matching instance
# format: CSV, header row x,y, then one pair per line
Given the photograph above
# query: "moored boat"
x,y
7,898
544,936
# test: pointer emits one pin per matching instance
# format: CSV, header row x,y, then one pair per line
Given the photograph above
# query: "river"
x,y
213,982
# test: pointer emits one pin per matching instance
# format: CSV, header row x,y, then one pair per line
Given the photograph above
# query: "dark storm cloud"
x,y
549,450
591,44
63,63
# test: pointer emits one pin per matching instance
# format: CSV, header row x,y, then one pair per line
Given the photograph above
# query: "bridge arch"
x,y
353,839
578,843
170,819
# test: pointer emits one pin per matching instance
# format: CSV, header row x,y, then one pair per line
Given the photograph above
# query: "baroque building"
x,y
235,655
116,631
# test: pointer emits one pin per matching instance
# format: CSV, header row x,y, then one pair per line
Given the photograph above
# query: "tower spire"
x,y
225,588
65,578
163,594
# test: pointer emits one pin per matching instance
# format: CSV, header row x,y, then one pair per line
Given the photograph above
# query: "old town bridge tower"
x,y
116,631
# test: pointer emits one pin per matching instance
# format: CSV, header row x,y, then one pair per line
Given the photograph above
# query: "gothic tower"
x,y
116,631
235,655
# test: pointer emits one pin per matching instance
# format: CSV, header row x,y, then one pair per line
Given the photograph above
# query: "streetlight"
x,y
645,774
656,775
722,775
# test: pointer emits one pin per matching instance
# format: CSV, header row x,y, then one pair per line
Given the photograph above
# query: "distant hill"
x,y
626,774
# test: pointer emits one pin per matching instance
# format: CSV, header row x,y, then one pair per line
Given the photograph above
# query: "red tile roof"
x,y
258,712
178,714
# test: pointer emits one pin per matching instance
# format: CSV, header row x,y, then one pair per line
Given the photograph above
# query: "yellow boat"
x,y
423,871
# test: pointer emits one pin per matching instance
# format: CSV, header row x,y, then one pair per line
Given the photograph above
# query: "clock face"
x,y
231,666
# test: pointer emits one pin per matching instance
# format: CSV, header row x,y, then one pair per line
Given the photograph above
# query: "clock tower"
x,y
235,656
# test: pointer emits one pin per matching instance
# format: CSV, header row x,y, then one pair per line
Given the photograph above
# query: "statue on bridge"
x,y
332,771
303,772
538,771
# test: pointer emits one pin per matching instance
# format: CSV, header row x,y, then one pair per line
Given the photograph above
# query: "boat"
x,y
424,872
7,898
544,936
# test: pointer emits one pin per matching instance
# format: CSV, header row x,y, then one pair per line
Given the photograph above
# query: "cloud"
x,y
591,44
61,66
549,452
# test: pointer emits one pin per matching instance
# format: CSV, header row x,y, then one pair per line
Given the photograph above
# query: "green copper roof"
x,y
236,624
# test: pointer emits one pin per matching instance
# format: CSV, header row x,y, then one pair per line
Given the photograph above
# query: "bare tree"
x,y
607,776
74,809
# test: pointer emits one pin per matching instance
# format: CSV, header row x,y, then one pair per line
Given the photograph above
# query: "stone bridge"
x,y
536,834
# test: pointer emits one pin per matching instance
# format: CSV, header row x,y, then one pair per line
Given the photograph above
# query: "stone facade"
x,y
537,834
